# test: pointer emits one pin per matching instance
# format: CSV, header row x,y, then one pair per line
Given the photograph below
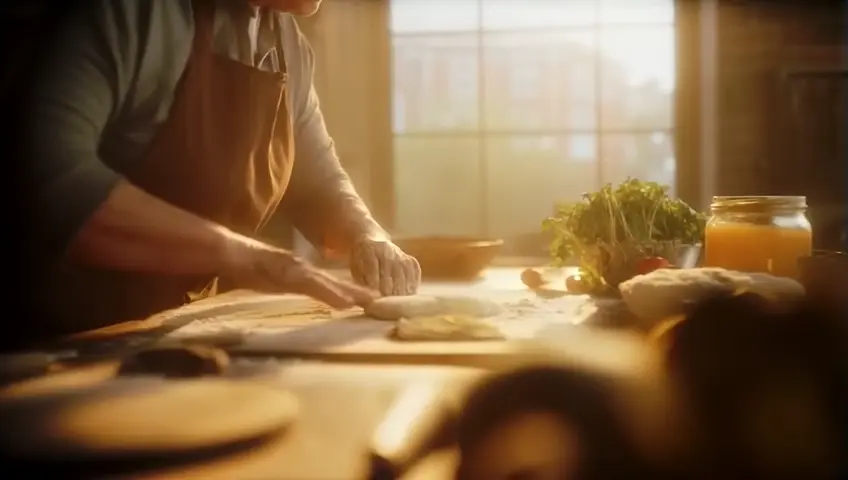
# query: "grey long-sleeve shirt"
x,y
108,85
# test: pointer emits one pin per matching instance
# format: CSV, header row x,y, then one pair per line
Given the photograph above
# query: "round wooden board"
x,y
138,418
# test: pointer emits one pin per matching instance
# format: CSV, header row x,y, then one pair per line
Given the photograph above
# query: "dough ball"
x,y
446,328
526,444
413,306
666,292
393,308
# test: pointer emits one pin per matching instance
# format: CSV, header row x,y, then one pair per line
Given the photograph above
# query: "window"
x,y
504,108
524,82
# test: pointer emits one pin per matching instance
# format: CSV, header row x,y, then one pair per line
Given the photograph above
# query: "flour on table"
x,y
413,306
510,315
666,292
446,328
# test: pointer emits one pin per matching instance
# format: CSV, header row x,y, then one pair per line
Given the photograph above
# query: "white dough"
x,y
215,336
666,292
414,306
446,328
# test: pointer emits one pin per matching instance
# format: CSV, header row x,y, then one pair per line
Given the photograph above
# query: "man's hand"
x,y
381,265
260,267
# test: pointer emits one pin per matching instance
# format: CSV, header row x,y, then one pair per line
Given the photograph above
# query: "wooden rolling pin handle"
x,y
419,422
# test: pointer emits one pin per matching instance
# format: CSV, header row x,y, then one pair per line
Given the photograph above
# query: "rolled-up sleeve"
x,y
321,200
76,92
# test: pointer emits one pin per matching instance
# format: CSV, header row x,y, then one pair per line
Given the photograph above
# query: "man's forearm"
x,y
133,230
332,218
321,200
355,219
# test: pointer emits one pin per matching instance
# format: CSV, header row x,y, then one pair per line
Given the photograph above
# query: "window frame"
x,y
482,132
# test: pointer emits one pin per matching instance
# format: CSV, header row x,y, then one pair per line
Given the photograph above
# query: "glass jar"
x,y
766,234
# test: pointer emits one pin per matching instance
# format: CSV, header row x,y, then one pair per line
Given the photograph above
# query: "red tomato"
x,y
575,284
650,264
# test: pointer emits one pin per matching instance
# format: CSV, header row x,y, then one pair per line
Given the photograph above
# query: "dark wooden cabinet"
x,y
814,121
782,105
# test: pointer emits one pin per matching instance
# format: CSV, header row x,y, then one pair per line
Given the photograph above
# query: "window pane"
x,y
636,11
437,186
637,77
436,83
409,16
528,175
648,157
539,80
516,14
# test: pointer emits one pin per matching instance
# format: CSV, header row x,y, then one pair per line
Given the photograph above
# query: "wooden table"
x,y
341,406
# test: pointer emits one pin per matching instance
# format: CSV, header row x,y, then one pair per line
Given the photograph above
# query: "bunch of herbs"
x,y
634,216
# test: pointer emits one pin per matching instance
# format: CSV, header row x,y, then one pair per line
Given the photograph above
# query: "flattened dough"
x,y
666,292
414,306
457,328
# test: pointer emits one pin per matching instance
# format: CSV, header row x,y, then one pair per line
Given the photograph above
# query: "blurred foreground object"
x,y
130,424
594,411
187,361
765,389
825,277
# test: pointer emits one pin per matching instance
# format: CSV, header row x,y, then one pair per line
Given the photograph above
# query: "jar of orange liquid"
x,y
758,234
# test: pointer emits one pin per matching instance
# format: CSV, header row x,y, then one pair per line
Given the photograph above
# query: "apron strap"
x,y
204,23
272,21
281,52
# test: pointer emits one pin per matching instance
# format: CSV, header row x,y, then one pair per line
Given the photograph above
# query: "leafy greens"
x,y
635,213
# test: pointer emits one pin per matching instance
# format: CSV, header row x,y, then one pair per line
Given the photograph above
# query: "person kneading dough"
x,y
162,137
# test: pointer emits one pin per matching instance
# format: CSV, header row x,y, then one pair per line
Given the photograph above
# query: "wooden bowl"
x,y
451,258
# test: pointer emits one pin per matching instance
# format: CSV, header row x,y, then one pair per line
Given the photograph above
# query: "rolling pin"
x,y
419,422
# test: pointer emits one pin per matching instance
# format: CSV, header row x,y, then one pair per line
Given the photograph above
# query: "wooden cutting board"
x,y
290,325
367,341
140,418
324,441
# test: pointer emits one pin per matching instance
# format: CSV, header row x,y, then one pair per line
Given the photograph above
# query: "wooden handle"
x,y
419,422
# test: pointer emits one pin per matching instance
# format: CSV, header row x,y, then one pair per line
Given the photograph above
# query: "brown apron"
x,y
225,153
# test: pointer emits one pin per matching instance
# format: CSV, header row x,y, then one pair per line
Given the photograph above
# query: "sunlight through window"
x,y
514,105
